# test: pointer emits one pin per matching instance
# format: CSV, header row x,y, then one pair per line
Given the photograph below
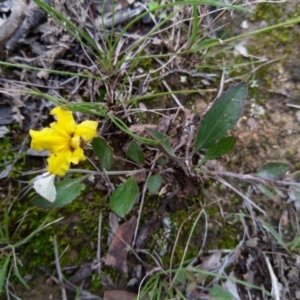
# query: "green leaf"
x,y
152,5
217,293
154,183
273,170
135,153
18,275
221,117
280,193
165,144
123,197
220,148
3,270
279,240
190,276
190,287
180,278
267,192
206,43
294,245
66,191
103,151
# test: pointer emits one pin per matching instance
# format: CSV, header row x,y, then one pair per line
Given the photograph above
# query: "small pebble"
x,y
183,79
298,116
245,24
28,277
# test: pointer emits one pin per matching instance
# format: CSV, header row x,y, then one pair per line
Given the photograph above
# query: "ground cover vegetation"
x,y
142,156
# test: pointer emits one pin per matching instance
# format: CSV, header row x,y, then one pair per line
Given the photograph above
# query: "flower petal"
x,y
44,186
65,124
48,139
77,152
86,130
77,156
59,162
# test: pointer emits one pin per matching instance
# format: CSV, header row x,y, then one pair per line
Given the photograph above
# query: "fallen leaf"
x,y
84,272
3,131
144,234
211,262
208,264
118,249
113,226
241,49
118,295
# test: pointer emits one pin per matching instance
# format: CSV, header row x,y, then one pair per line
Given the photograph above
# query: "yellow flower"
x,y
63,140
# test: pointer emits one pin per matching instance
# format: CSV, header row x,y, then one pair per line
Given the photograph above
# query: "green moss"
x,y
228,237
95,283
234,200
221,234
211,211
265,11
5,144
77,232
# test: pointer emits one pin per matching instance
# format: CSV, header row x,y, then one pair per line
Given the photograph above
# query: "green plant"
x,y
119,102
210,136
189,279
9,261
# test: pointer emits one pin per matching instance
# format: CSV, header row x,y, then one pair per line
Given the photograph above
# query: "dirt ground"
x,y
268,131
